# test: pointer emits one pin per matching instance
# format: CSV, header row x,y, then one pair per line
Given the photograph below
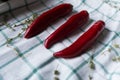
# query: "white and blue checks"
x,y
29,60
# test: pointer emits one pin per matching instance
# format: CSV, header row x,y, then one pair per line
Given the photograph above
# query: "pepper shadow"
x,y
104,38
81,29
101,41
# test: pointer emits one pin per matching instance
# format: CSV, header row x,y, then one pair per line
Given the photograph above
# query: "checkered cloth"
x,y
29,60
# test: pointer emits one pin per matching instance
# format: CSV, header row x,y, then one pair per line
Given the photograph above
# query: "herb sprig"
x,y
116,58
92,67
26,23
91,63
19,35
116,45
90,77
56,74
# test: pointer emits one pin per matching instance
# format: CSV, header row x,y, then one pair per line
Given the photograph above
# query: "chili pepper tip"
x,y
56,55
45,44
26,35
100,21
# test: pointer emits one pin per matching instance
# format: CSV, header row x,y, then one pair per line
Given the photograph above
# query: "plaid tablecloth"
x,y
28,59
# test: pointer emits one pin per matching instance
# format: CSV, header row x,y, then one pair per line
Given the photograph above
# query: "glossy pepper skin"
x,y
83,42
74,22
47,18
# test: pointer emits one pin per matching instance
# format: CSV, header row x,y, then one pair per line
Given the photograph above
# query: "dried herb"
x,y
28,21
116,46
24,28
5,22
9,40
25,22
13,49
56,78
16,25
9,26
19,35
109,49
91,63
56,72
34,16
116,58
90,77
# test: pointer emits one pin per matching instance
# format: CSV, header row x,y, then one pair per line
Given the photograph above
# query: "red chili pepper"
x,y
83,42
73,23
47,18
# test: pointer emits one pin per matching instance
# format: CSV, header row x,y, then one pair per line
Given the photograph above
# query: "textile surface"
x,y
28,59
